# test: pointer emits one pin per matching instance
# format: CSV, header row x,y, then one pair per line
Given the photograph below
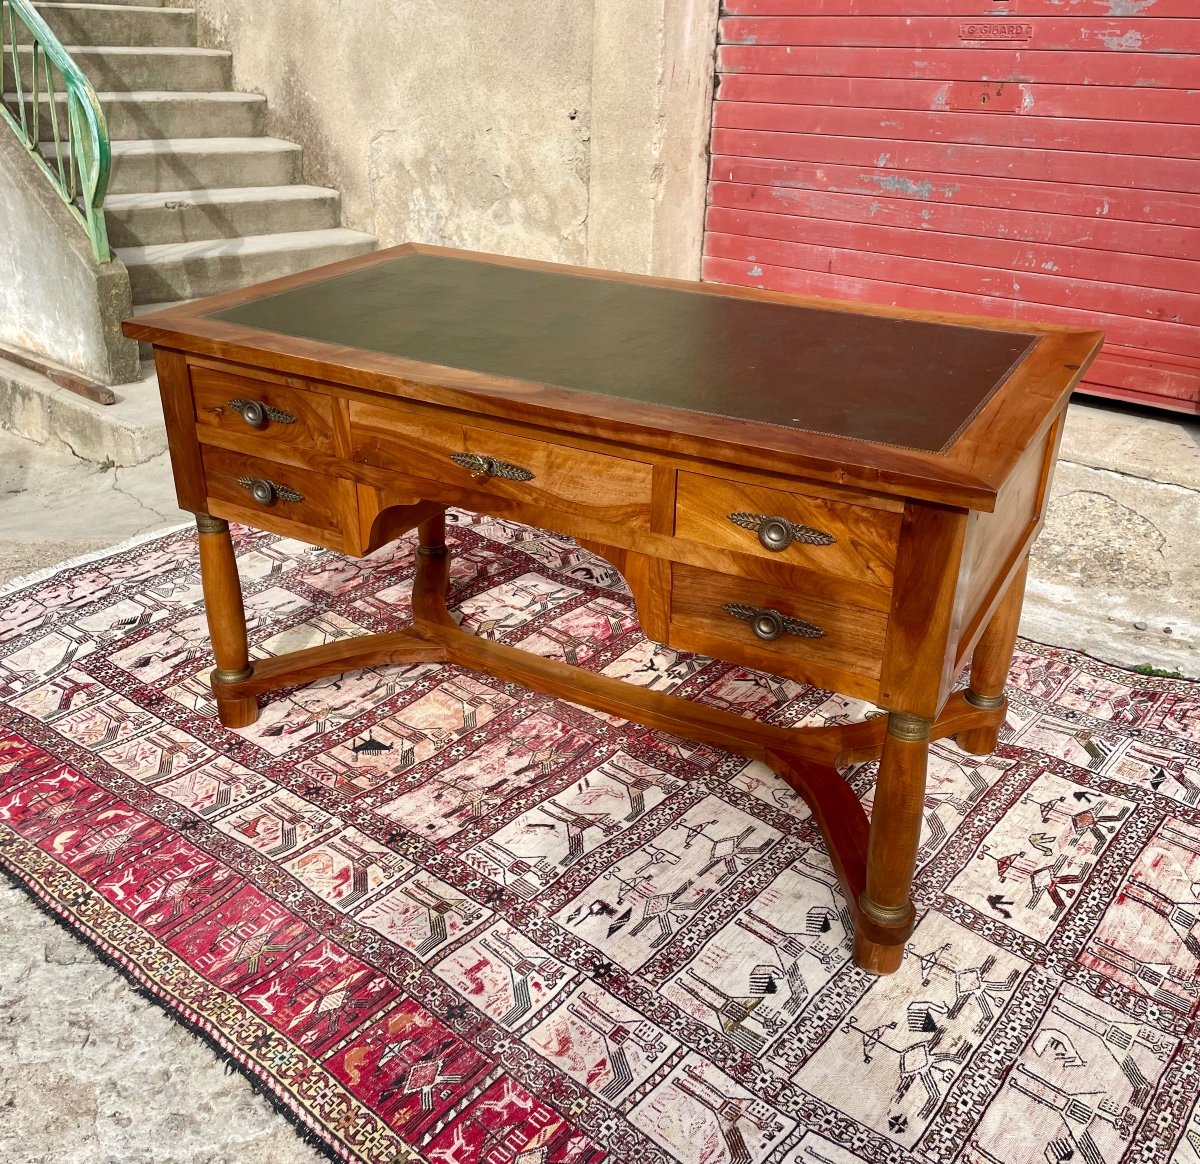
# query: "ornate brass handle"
x,y
265,492
777,533
769,624
481,468
256,413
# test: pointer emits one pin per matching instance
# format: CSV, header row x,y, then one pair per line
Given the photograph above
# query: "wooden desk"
x,y
841,494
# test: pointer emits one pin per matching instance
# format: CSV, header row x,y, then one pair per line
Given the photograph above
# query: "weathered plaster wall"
x,y
652,86
56,301
570,130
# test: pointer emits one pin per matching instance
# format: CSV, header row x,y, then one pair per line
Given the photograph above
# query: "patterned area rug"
x,y
438,918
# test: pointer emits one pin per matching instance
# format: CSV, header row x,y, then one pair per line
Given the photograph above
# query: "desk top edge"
x,y
968,473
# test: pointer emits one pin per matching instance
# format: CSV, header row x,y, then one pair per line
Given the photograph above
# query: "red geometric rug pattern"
x,y
439,918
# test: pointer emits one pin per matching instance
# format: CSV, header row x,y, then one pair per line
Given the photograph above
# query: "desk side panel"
x,y
179,411
997,543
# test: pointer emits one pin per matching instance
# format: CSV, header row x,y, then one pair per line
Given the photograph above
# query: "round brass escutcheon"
x,y
767,625
487,467
775,534
254,413
262,491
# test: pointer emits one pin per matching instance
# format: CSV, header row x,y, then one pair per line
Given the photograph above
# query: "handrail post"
x,y
80,174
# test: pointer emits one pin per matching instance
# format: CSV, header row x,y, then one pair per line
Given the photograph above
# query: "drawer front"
x,y
421,442
849,541
277,414
811,639
280,498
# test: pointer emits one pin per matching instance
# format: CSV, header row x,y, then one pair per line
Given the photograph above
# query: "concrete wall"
x,y
652,89
56,301
569,130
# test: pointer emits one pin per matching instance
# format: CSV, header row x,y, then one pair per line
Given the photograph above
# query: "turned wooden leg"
x,y
433,573
990,664
226,620
431,536
886,906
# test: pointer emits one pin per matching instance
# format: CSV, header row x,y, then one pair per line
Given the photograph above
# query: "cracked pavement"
x,y
90,1072
54,505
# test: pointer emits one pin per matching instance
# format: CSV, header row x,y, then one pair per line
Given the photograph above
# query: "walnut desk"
x,y
841,494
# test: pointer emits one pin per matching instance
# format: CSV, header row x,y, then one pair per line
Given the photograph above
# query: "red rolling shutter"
x,y
1037,159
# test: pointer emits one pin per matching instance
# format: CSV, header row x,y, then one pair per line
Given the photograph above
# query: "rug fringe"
x,y
230,1064
14,584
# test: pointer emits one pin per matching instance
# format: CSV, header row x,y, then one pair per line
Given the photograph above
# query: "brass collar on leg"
x,y
886,915
207,524
228,675
911,729
985,702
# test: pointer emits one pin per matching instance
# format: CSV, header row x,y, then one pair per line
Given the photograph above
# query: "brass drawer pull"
x,y
256,413
777,533
481,468
769,624
265,492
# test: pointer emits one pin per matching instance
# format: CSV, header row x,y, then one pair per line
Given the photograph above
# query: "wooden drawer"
x,y
426,443
846,656
849,541
289,416
303,504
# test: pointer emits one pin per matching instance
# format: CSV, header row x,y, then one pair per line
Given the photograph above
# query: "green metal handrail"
x,y
79,165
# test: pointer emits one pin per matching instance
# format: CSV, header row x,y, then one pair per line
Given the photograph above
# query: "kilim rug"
x,y
438,918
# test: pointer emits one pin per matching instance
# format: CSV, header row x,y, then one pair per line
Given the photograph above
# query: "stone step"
x,y
139,68
196,163
191,215
160,115
193,269
117,24
125,433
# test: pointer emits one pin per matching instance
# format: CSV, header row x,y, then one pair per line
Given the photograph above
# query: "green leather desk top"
x,y
900,382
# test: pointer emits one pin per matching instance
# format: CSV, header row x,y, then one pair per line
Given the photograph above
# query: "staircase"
x,y
199,199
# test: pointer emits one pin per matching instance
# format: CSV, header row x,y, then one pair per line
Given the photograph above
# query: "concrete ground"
x,y
1116,571
55,506
89,1071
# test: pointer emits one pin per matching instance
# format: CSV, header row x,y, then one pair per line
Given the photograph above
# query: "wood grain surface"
x,y
925,565
864,546
214,391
